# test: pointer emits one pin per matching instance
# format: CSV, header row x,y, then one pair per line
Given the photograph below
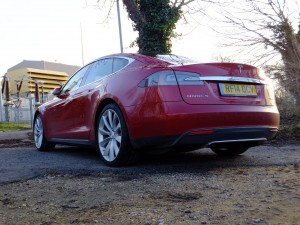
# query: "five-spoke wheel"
x,y
113,141
40,141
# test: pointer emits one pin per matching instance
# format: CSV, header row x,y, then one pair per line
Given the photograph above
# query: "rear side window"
x,y
99,70
75,81
119,63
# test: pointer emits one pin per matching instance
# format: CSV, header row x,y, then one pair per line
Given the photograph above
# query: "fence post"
x,y
1,105
31,111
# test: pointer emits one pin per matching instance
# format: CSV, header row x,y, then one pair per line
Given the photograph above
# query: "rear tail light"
x,y
160,78
170,78
187,78
163,87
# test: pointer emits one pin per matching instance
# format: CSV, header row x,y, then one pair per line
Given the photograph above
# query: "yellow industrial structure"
x,y
47,79
41,75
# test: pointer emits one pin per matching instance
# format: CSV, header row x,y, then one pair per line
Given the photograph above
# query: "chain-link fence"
x,y
18,111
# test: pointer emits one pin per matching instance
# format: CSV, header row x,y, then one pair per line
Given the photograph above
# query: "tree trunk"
x,y
297,98
155,21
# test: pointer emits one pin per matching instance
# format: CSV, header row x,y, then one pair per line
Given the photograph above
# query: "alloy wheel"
x,y
38,132
110,135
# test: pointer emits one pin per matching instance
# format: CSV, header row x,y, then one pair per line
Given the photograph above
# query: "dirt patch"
x,y
250,195
27,141
241,195
15,143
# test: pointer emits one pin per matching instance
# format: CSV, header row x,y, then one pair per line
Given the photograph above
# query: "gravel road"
x,y
72,186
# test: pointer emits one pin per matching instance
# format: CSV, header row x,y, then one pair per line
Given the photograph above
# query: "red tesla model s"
x,y
127,103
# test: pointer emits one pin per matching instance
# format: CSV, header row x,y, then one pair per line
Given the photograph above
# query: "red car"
x,y
127,103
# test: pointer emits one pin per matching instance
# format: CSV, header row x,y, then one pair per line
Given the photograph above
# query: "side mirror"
x,y
56,91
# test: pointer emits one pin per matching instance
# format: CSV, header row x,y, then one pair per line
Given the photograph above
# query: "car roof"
x,y
159,60
141,58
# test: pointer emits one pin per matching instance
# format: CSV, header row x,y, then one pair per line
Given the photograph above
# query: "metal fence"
x,y
19,112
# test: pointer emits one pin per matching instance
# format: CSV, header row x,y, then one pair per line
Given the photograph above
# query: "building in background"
x,y
44,65
41,75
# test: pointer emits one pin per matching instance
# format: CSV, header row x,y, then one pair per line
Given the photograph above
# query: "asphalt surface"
x,y
24,163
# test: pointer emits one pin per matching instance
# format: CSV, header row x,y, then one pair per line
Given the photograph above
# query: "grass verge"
x,y
6,127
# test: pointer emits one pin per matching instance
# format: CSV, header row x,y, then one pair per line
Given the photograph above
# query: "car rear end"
x,y
209,105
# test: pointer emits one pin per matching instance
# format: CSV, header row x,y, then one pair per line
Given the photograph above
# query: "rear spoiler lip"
x,y
232,79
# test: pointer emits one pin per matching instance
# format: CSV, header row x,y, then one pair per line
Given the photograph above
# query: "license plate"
x,y
228,89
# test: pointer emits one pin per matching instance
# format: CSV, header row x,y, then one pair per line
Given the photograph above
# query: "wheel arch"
x,y
37,112
101,106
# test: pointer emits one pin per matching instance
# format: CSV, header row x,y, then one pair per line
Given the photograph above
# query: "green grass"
x,y
13,127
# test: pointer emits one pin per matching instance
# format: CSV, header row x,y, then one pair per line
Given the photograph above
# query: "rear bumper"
x,y
175,119
195,139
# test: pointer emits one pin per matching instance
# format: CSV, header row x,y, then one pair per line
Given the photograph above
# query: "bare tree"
x,y
266,30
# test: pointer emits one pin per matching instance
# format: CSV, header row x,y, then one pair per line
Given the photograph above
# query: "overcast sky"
x,y
50,30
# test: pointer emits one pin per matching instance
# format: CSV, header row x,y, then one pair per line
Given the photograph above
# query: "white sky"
x,y
50,30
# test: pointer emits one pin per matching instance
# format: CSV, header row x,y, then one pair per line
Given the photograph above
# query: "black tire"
x,y
40,141
230,150
112,138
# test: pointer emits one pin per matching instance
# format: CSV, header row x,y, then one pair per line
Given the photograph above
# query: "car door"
x,y
60,114
86,97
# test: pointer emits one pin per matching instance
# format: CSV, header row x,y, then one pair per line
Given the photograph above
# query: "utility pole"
x,y
36,92
42,86
81,45
7,97
1,104
120,27
18,89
